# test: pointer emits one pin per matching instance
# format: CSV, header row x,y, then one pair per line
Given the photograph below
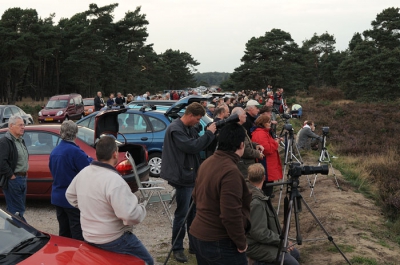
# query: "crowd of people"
x,y
223,203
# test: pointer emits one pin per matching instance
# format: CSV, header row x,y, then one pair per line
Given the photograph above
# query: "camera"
x,y
288,127
286,116
325,130
295,170
219,124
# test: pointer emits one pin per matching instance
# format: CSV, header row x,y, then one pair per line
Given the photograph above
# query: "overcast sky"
x,y
215,32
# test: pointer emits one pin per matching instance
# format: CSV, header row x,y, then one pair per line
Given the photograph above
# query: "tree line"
x,y
84,54
368,70
90,52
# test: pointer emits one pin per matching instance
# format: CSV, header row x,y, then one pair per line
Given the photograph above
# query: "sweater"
x,y
107,205
66,161
222,200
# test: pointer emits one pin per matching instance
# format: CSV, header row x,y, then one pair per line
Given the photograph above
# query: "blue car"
x,y
147,126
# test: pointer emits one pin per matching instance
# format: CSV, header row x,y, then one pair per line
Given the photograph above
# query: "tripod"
x,y
289,155
293,202
323,158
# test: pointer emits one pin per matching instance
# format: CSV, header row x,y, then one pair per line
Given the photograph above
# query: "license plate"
x,y
48,119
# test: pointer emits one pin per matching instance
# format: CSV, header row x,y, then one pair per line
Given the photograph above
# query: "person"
x,y
98,101
252,150
271,160
210,110
181,160
109,209
119,100
14,166
251,115
278,101
222,203
111,101
264,237
306,138
66,160
129,98
221,112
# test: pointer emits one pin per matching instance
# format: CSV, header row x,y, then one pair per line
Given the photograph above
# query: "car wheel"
x,y
155,164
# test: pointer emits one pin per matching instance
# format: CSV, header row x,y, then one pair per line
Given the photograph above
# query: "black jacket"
x,y
8,158
97,103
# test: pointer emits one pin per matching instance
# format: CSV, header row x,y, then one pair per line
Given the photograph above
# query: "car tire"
x,y
155,164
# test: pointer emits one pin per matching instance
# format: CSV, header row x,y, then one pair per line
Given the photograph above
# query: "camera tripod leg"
x,y
330,238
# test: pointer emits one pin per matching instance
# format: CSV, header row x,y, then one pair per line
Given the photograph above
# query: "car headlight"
x,y
40,113
59,113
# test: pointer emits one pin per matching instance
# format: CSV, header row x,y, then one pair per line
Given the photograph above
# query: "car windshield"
x,y
13,232
57,104
88,102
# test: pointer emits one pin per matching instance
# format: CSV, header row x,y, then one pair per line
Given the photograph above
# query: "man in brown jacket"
x,y
222,202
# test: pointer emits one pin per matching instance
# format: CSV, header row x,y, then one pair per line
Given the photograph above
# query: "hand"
x,y
212,127
13,177
274,122
261,155
290,246
242,251
260,148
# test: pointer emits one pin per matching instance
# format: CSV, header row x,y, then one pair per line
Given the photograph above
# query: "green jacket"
x,y
263,239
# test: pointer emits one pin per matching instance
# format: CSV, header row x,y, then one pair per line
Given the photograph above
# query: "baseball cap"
x,y
210,106
252,102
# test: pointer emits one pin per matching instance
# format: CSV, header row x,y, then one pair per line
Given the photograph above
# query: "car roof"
x,y
42,127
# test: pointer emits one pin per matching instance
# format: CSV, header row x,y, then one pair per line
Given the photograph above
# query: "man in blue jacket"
x,y
66,161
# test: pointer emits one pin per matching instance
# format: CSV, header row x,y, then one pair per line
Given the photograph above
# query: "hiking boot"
x,y
180,257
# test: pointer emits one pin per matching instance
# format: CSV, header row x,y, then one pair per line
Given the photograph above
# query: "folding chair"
x,y
148,188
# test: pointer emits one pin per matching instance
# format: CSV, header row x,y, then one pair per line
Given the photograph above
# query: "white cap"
x,y
252,102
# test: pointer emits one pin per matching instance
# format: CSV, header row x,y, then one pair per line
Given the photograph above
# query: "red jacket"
x,y
273,161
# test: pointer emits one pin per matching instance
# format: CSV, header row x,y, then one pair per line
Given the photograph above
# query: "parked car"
x,y
151,103
88,104
41,140
6,111
22,244
61,108
146,125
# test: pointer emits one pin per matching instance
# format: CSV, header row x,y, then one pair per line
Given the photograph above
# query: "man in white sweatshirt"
x,y
108,207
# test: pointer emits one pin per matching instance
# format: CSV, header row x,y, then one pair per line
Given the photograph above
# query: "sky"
x,y
215,32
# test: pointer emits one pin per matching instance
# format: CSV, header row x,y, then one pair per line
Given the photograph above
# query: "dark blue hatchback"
x,y
147,126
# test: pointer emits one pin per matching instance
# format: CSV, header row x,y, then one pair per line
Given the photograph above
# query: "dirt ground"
x,y
352,220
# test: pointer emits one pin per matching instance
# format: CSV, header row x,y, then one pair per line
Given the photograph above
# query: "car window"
x,y
158,125
40,143
7,112
89,122
86,135
15,111
132,123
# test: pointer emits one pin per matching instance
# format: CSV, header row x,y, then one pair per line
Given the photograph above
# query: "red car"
x,y
88,104
40,140
22,244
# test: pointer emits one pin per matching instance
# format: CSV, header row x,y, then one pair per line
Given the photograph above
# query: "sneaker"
x,y
180,257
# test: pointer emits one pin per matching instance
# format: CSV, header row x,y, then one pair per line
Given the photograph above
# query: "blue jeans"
x,y
219,252
15,195
69,222
129,244
183,201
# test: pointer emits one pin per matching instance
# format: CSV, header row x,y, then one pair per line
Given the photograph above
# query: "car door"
x,y
39,145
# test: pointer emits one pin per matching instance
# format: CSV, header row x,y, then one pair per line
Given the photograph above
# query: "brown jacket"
x,y
222,200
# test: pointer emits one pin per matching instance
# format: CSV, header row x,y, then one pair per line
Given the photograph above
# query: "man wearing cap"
x,y
251,115
210,110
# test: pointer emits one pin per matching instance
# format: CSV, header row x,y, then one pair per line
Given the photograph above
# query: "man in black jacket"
x,y
98,101
180,161
14,166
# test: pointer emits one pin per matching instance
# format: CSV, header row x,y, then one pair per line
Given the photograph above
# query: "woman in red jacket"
x,y
271,161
